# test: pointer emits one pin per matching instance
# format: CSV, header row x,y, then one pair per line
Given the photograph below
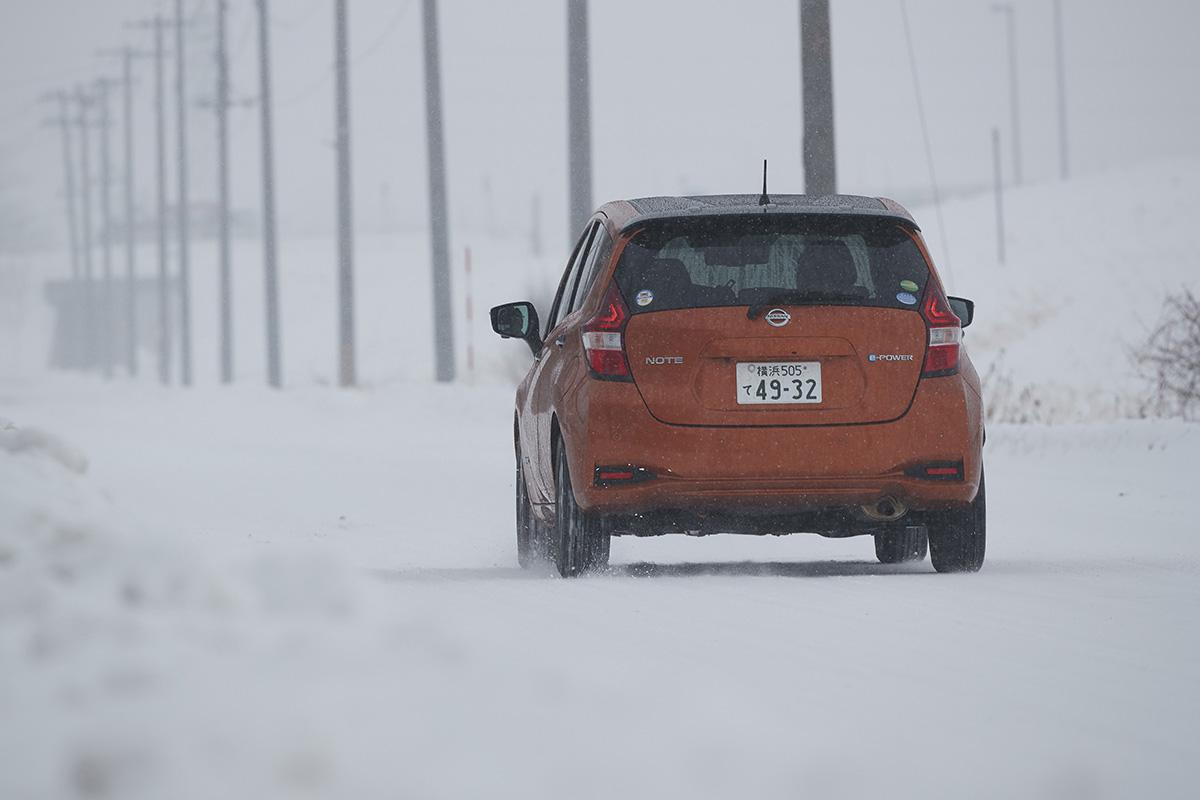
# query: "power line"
x,y
1014,98
937,199
199,11
42,80
242,41
320,82
392,26
21,143
19,111
300,21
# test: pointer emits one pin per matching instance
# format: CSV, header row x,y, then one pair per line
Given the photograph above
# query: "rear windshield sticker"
x,y
909,286
907,298
645,297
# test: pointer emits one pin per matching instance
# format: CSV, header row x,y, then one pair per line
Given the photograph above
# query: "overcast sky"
x,y
688,96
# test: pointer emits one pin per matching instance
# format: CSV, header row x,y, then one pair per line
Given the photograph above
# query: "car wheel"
x,y
531,544
958,538
580,543
906,544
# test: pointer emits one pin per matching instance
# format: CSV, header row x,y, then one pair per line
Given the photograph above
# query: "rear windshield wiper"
x,y
796,297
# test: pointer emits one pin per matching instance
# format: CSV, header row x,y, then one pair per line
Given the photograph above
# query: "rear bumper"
x,y
772,470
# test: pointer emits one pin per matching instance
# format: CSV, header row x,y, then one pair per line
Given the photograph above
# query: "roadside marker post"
x,y
470,315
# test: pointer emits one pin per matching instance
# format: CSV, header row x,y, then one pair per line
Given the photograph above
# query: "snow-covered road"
x,y
315,593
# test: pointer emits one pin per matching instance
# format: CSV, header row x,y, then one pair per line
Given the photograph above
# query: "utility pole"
x,y
160,153
225,287
182,209
1064,160
157,24
999,183
106,321
345,220
127,55
131,362
579,123
63,122
443,323
816,79
85,198
220,104
270,268
1014,100
470,314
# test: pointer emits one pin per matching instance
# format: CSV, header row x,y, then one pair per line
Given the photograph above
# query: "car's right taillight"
x,y
945,335
604,338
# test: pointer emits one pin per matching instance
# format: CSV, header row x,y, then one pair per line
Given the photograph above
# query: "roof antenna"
x,y
764,200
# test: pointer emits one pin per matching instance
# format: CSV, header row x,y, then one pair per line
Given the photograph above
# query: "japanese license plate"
x,y
770,382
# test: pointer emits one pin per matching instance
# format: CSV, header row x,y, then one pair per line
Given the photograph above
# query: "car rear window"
x,y
748,260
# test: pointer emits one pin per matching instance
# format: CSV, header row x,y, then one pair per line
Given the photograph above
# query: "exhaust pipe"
x,y
886,509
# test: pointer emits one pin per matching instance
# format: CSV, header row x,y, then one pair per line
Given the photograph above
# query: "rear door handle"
x,y
560,341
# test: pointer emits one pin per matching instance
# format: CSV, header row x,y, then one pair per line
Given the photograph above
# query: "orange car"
x,y
748,365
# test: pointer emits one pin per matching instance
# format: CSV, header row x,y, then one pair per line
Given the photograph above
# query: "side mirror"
x,y
518,321
963,308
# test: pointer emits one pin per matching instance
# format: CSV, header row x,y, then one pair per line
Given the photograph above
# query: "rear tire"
x,y
531,534
906,544
958,537
580,544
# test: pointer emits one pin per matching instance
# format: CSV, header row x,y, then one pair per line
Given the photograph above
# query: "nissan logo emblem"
x,y
777,317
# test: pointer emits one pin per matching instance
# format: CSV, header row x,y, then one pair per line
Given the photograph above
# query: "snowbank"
x,y
1089,264
100,615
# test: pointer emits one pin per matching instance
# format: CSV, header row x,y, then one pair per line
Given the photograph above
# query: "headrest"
x,y
666,272
828,264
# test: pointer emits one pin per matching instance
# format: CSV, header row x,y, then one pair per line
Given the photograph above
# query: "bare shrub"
x,y
1009,399
1170,358
1005,401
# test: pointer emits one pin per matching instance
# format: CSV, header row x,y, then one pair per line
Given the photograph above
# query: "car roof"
x,y
625,214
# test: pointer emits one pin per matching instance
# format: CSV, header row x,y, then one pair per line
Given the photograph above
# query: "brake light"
x,y
604,338
945,335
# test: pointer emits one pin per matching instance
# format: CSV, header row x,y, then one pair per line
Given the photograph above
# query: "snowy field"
x,y
233,592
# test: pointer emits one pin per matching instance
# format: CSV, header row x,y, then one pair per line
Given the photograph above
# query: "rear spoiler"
x,y
891,210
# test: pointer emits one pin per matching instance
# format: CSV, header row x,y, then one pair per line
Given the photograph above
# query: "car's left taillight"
x,y
945,335
604,338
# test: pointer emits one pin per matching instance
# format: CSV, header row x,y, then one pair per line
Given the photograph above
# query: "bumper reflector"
x,y
937,471
619,475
